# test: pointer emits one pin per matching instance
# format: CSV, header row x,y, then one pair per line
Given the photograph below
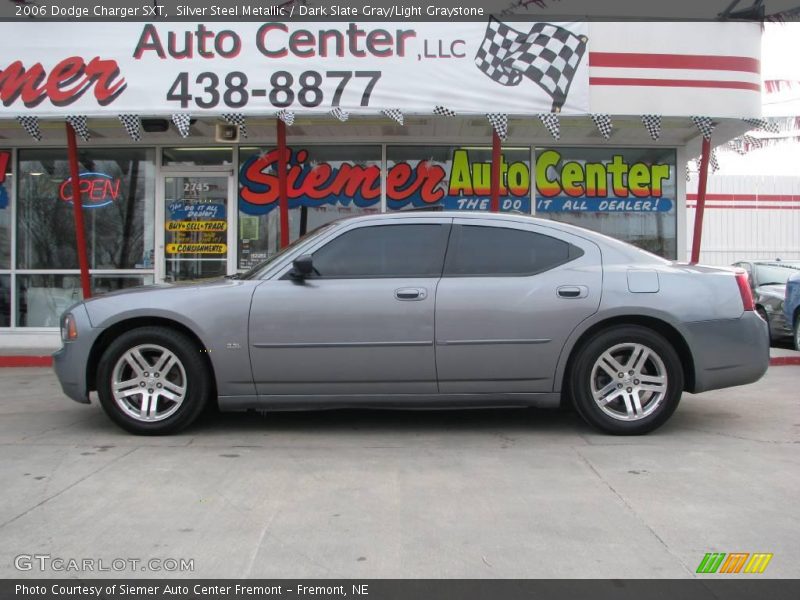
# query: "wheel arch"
x,y
118,328
664,328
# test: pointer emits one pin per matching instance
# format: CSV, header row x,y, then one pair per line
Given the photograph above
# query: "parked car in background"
x,y
423,310
768,281
791,307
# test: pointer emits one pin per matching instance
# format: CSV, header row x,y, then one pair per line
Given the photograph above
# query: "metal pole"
x,y
283,196
702,183
77,209
495,181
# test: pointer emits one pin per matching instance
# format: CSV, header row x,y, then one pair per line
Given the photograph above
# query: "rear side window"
x,y
384,251
485,251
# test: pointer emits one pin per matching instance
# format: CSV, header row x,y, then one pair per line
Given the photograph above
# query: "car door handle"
x,y
411,294
572,291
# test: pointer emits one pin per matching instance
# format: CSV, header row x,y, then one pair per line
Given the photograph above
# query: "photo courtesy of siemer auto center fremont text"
x,y
477,299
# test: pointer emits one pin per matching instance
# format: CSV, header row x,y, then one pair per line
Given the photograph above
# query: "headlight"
x,y
69,330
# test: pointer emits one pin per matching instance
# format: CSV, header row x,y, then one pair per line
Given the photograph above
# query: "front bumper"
x,y
728,352
71,360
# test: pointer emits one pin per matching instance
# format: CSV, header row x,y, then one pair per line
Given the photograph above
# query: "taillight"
x,y
744,290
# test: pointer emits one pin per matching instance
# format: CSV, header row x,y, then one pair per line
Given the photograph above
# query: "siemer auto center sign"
x,y
251,67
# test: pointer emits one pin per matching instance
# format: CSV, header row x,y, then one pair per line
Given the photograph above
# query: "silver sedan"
x,y
422,310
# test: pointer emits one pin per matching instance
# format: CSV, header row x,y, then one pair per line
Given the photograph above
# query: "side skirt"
x,y
389,401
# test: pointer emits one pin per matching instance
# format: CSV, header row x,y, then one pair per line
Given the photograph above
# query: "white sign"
x,y
256,68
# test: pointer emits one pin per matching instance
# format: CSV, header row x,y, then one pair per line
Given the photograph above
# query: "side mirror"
x,y
302,267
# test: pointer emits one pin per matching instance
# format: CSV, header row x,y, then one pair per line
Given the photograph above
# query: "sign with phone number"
x,y
250,67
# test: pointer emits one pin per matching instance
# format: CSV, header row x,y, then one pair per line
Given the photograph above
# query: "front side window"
x,y
486,251
384,251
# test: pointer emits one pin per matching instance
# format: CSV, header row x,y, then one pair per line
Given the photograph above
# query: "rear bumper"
x,y
728,352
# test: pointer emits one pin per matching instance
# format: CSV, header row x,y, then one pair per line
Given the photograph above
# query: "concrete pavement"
x,y
507,493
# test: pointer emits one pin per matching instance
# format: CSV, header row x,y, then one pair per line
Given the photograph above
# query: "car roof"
x,y
772,263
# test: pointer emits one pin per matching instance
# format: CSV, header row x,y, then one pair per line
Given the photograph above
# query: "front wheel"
x,y
626,380
153,381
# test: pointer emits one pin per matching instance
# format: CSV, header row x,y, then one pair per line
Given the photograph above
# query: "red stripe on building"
x,y
686,83
744,206
749,197
705,62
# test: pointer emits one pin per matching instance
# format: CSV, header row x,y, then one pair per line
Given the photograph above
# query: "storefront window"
x,y
455,178
117,188
5,209
5,300
325,183
41,299
629,194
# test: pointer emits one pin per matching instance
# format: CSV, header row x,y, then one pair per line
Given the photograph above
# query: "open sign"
x,y
97,189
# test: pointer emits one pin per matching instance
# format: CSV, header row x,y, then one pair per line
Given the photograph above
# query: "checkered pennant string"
x,y
340,114
182,121
238,120
287,116
653,125
443,111
547,55
550,121
394,114
499,123
31,125
603,124
688,172
737,146
763,124
713,162
705,126
78,123
132,125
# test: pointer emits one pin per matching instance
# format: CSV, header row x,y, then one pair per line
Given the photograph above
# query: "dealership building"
x,y
198,143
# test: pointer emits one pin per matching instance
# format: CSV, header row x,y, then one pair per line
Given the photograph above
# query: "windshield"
x,y
775,274
254,272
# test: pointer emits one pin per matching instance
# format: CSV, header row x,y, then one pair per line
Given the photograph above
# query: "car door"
x,y
510,295
363,323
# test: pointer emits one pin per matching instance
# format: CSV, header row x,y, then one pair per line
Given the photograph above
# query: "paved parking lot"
x,y
511,493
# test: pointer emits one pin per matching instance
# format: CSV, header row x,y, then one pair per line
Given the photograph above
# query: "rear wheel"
x,y
626,380
153,381
763,314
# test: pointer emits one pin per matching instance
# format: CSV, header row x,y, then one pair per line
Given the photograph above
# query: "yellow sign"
x,y
197,248
197,225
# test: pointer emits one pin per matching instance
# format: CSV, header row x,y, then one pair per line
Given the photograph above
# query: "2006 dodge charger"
x,y
422,310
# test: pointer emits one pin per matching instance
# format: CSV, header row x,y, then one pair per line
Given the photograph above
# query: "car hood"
x,y
777,291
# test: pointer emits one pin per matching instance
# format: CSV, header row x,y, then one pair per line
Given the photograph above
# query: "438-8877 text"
x,y
208,89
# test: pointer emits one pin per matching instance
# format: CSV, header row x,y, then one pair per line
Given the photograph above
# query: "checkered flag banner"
x,y
713,162
132,125
287,116
31,125
394,114
499,123
238,120
603,124
443,111
705,126
653,125
340,114
182,122
688,172
551,123
548,55
763,124
78,123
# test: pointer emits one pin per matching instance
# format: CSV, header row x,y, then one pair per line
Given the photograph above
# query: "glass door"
x,y
196,228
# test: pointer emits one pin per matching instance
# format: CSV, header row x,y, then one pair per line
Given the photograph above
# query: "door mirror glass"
x,y
302,267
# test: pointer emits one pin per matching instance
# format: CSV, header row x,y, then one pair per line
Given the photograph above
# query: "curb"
x,y
47,361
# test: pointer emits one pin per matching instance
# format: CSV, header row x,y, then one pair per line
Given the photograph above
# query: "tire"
x,y
161,366
797,333
654,380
